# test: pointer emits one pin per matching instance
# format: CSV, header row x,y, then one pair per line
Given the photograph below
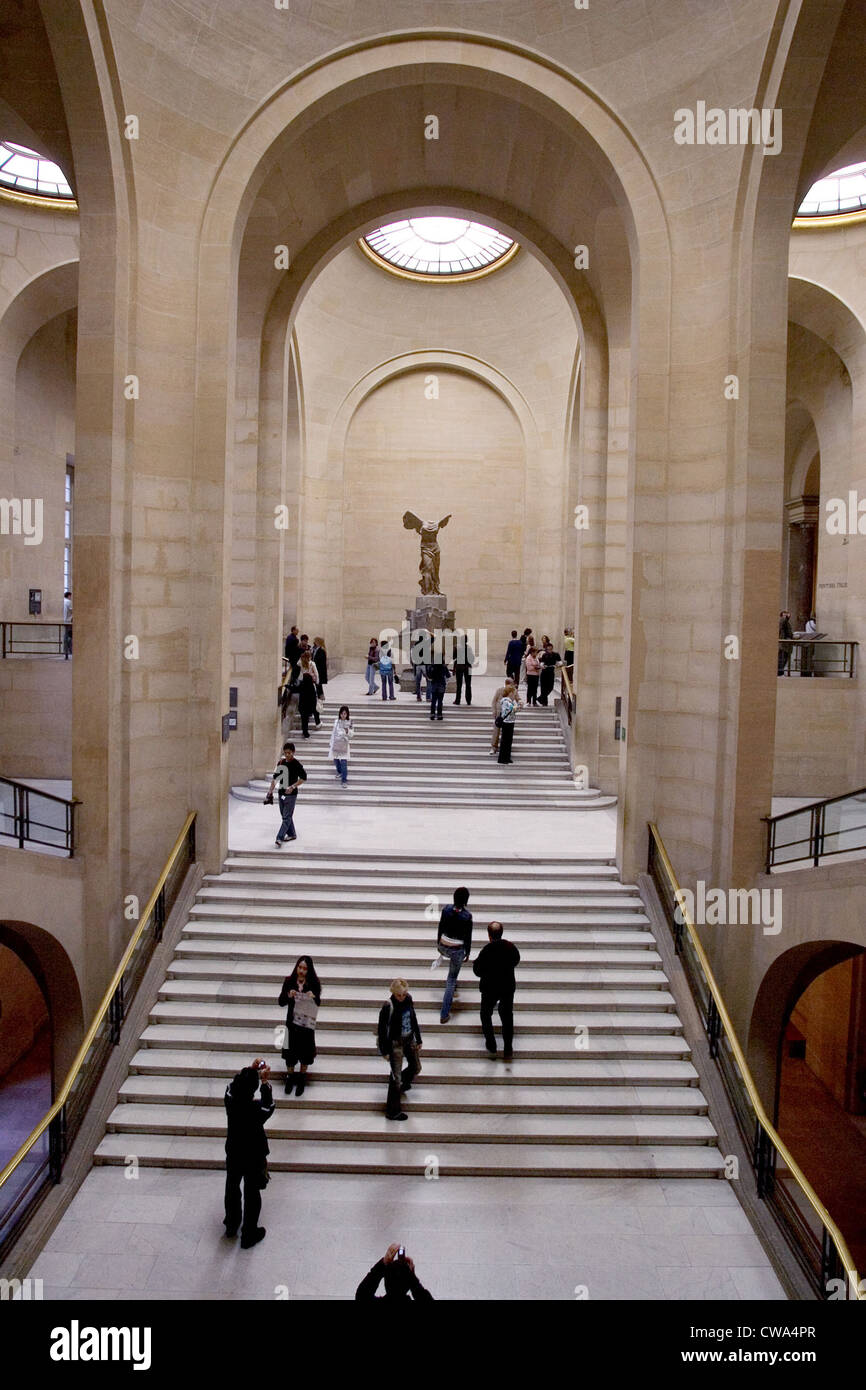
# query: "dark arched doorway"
x,y
808,1046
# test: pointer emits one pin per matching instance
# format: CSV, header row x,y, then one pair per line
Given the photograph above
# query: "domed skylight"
x,y
841,192
438,247
29,172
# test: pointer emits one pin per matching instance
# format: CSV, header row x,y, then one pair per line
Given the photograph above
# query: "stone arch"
x,y
787,978
493,65
41,299
49,963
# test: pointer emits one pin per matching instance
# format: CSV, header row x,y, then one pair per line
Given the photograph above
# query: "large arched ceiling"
x,y
503,155
31,106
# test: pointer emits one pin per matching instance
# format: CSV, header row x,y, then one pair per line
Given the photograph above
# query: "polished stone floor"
x,y
159,1237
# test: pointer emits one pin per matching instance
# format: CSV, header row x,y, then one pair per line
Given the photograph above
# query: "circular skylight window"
x,y
29,172
436,248
844,191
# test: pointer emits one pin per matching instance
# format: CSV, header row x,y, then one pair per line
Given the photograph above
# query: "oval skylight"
x,y
437,247
838,193
29,172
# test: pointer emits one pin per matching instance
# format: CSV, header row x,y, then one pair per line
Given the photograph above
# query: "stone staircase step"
x,y
526,1073
443,1042
288,874
623,966
340,933
405,861
457,1160
464,1015
219,990
317,1124
469,1097
534,965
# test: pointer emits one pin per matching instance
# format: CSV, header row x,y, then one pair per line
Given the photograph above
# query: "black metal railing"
x,y
566,691
34,639
819,656
807,1226
819,830
38,1164
32,817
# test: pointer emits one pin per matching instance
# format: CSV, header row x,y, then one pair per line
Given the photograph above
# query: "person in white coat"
x,y
341,736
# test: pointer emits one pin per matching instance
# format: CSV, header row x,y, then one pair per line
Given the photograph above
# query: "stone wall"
x,y
36,727
815,736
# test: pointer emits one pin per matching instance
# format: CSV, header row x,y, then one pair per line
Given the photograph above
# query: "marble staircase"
x,y
400,757
601,1082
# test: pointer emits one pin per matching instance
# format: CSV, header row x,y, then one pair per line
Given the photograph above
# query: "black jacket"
x,y
293,646
514,653
320,658
495,967
246,1141
456,923
390,1029
438,674
369,1284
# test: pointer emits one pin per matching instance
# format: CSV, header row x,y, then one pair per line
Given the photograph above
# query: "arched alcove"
x,y
51,967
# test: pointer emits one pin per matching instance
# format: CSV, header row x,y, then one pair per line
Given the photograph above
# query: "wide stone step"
x,y
275,907
404,1156
317,1123
439,1042
512,874
238,941
469,1098
405,861
573,1071
406,901
288,874
464,1016
337,932
647,1007
246,960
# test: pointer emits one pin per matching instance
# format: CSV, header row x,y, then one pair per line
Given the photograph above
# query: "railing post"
x,y
159,915
57,1144
115,1014
191,842
764,1161
819,833
714,1027
3,640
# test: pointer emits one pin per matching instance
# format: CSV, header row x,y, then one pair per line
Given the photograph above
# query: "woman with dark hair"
x,y
341,736
302,994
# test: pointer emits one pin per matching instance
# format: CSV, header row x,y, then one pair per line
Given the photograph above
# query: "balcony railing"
x,y
820,830
32,817
33,639
807,1226
820,656
38,1164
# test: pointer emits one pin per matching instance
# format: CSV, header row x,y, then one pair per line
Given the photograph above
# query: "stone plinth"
x,y
431,611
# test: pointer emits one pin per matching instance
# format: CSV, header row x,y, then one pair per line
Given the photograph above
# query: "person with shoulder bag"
x,y
301,996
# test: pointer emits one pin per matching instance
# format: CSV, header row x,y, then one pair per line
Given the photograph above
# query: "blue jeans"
x,y
457,956
372,687
287,811
342,766
436,702
419,676
387,679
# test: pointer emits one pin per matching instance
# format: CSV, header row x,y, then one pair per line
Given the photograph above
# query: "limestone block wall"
x,y
36,727
817,740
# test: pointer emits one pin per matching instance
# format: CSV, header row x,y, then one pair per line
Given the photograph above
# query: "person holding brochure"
x,y
301,996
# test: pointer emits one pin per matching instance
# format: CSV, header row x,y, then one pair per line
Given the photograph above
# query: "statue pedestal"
x,y
431,612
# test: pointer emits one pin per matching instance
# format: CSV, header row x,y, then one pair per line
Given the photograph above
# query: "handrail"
x,y
104,1007
570,702
37,791
763,1120
811,805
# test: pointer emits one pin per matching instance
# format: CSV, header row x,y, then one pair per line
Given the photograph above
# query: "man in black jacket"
x,y
289,774
401,1281
399,1038
495,969
513,657
247,1150
293,643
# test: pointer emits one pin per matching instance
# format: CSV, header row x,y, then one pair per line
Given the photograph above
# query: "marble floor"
x,y
160,1237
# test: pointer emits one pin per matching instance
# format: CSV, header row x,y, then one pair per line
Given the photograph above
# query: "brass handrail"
x,y
796,1171
567,683
101,1012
